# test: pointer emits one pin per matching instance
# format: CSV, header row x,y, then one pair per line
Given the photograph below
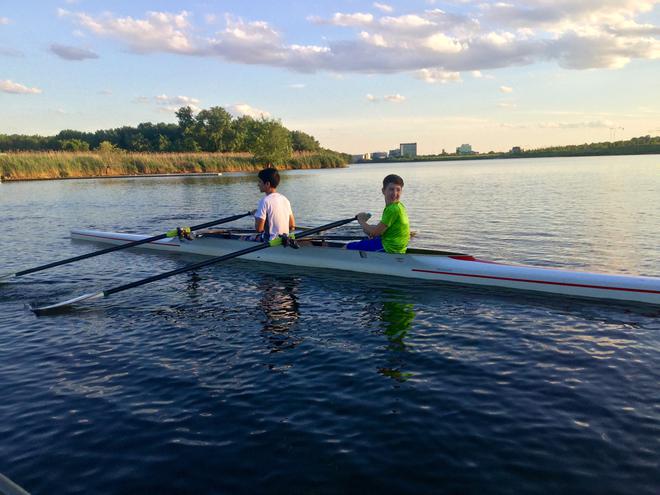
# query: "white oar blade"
x,y
4,277
65,304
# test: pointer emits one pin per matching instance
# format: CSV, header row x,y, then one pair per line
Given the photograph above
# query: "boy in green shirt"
x,y
392,233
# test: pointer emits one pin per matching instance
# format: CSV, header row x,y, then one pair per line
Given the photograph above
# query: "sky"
x,y
360,76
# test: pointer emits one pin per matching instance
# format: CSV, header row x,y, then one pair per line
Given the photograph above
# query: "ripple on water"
x,y
249,378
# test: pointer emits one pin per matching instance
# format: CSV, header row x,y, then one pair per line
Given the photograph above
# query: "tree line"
x,y
210,130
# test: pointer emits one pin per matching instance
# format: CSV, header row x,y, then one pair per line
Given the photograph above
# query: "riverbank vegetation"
x,y
210,141
644,145
71,164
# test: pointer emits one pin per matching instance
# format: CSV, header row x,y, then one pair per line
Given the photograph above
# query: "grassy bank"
x,y
64,164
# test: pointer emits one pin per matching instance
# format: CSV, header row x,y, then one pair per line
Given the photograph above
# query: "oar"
x,y
117,248
262,245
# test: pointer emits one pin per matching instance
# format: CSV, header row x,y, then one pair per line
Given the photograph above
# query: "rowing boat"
x,y
424,264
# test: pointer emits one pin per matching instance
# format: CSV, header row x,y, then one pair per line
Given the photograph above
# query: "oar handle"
x,y
125,246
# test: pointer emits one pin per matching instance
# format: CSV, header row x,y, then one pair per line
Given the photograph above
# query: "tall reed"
x,y
67,164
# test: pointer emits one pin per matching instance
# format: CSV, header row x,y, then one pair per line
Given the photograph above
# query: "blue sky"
x,y
360,76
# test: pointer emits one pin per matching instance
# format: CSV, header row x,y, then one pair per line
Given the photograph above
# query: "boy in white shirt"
x,y
273,216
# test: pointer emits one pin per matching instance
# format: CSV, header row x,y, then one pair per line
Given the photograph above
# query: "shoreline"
x,y
23,166
133,176
502,156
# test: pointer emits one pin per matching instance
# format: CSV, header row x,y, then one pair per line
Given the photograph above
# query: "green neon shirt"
x,y
396,237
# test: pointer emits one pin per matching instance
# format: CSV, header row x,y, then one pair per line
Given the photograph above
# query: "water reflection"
x,y
280,305
397,317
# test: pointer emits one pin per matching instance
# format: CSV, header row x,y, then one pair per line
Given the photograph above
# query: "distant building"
x,y
360,158
395,153
379,155
515,150
464,149
408,149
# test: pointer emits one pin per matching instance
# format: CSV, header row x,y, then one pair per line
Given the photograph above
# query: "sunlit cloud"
x,y
344,20
169,104
438,76
592,124
157,32
383,7
8,86
576,35
243,109
506,89
394,98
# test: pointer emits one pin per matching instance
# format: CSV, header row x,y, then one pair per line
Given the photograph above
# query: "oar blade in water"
x,y
4,277
65,304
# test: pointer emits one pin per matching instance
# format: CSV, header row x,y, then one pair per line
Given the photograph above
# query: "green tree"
x,y
241,134
185,117
212,128
273,143
107,147
304,142
164,144
138,143
74,145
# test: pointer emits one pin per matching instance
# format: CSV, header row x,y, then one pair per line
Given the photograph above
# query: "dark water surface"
x,y
249,378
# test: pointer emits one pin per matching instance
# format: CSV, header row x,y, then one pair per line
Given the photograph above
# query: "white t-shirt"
x,y
276,210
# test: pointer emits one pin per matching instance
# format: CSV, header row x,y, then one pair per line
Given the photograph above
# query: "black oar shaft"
x,y
137,283
125,246
218,259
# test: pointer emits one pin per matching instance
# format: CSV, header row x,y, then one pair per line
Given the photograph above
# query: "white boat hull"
x,y
426,266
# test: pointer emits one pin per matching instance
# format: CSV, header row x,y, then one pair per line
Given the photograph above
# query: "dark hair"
x,y
270,175
392,179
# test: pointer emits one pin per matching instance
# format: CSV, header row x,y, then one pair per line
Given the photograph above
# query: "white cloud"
x,y
373,39
506,104
243,109
72,52
157,32
105,92
434,76
506,89
395,98
443,44
8,86
176,100
345,20
591,124
384,7
485,36
405,22
169,104
297,86
4,21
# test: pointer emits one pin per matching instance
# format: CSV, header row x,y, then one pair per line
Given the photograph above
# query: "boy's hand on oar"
x,y
363,217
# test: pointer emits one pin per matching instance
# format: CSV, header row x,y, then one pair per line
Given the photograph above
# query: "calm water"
x,y
250,378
